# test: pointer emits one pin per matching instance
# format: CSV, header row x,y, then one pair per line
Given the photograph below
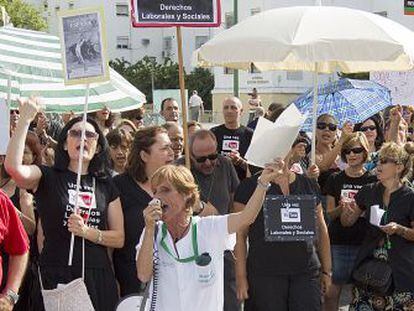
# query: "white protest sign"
x,y
4,126
400,84
272,140
376,215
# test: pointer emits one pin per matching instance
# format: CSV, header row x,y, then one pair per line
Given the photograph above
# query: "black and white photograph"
x,y
82,42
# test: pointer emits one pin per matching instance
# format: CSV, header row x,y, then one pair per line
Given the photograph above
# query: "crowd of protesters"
x,y
202,246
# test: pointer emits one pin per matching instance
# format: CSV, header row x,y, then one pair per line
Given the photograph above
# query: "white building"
x,y
132,44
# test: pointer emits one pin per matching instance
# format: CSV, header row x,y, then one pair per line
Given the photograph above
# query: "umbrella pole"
x,y
79,174
314,113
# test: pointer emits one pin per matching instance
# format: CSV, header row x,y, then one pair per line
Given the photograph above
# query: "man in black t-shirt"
x,y
217,181
233,139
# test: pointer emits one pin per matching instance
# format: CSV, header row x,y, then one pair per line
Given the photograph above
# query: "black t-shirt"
x,y
55,199
277,258
228,140
340,185
401,211
134,200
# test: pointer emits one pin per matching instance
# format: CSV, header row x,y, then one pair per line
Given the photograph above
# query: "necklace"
x,y
193,242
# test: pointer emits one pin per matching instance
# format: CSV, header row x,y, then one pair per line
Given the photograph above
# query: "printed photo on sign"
x,y
289,218
83,47
290,214
176,12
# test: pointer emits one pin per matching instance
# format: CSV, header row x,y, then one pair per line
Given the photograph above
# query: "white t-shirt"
x,y
179,286
195,101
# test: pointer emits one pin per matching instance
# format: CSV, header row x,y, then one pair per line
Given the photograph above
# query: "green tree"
x,y
165,76
201,80
24,15
356,76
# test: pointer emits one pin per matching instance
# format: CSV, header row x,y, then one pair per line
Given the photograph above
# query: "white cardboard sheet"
x,y
376,215
272,140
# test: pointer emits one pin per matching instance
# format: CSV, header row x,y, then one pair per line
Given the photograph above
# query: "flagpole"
x,y
79,174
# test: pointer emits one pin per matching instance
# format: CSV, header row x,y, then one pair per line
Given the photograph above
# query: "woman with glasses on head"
x,y
151,149
393,239
341,189
98,220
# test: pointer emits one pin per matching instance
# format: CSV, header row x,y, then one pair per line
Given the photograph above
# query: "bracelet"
x,y
85,231
327,273
262,185
99,238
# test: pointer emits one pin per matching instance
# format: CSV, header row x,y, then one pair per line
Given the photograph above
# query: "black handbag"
x,y
374,275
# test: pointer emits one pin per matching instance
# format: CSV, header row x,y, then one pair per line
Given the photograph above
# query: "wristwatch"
x,y
14,297
263,185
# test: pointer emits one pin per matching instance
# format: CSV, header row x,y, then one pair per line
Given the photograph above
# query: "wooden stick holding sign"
x,y
83,44
160,13
183,97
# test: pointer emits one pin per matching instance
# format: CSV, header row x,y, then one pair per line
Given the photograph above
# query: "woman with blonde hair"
x,y
341,189
391,242
189,273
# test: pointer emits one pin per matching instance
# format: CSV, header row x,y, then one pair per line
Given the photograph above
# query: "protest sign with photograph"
x,y
4,126
166,13
83,42
289,218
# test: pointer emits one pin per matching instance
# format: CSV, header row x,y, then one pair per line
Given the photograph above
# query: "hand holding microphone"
x,y
152,213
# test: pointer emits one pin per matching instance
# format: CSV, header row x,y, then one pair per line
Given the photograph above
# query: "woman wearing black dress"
x,y
99,219
150,150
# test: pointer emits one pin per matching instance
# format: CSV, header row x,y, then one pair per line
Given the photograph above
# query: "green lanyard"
x,y
387,244
194,242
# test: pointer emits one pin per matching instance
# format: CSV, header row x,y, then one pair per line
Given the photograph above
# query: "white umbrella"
x,y
319,39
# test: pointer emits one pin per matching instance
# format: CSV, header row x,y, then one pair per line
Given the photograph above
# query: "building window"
x,y
121,9
71,5
228,71
228,20
200,40
166,47
254,11
122,42
294,75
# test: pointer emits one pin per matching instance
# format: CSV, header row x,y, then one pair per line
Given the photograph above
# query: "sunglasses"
x,y
210,157
387,160
323,125
78,134
366,128
356,150
14,111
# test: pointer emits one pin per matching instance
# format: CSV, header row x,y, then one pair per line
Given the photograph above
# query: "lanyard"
x,y
194,242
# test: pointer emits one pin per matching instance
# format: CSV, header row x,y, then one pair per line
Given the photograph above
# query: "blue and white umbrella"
x,y
345,99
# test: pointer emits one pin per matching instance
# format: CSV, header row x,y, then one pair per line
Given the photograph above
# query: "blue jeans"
x,y
343,260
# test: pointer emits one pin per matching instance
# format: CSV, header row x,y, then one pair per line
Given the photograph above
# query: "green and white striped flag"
x,y
33,61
